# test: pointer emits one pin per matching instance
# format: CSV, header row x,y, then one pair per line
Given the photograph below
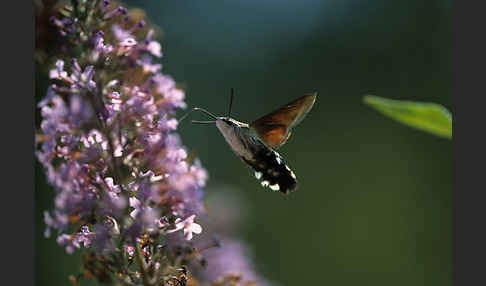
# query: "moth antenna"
x,y
231,101
197,109
203,122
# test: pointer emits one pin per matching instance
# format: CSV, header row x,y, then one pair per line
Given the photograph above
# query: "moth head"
x,y
231,122
226,124
225,121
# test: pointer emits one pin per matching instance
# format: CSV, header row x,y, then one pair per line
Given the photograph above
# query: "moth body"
x,y
237,135
255,143
267,164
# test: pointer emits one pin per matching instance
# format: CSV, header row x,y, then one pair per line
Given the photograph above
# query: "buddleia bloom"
x,y
108,140
125,185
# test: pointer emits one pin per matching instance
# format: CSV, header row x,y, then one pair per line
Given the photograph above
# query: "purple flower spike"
x,y
117,11
120,33
154,48
58,72
188,226
102,239
99,46
126,190
141,24
122,10
231,259
105,3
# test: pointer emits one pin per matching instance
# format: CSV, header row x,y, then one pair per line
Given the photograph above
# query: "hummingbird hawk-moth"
x,y
256,143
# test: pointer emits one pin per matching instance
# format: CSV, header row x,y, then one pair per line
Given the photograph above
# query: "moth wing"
x,y
274,128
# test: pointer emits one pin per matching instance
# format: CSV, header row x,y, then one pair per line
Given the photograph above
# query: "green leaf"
x,y
430,117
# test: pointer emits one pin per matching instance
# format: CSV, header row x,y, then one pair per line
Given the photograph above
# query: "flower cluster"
x,y
231,262
126,188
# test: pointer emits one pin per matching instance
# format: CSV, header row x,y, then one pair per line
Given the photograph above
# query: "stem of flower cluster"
x,y
143,267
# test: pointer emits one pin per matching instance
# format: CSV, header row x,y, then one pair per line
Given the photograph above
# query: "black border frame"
x,y
18,140
468,151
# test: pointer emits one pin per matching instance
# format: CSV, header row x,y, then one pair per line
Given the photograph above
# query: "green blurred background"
x,y
374,205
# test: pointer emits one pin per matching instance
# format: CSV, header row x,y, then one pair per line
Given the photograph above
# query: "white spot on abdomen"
x,y
275,187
